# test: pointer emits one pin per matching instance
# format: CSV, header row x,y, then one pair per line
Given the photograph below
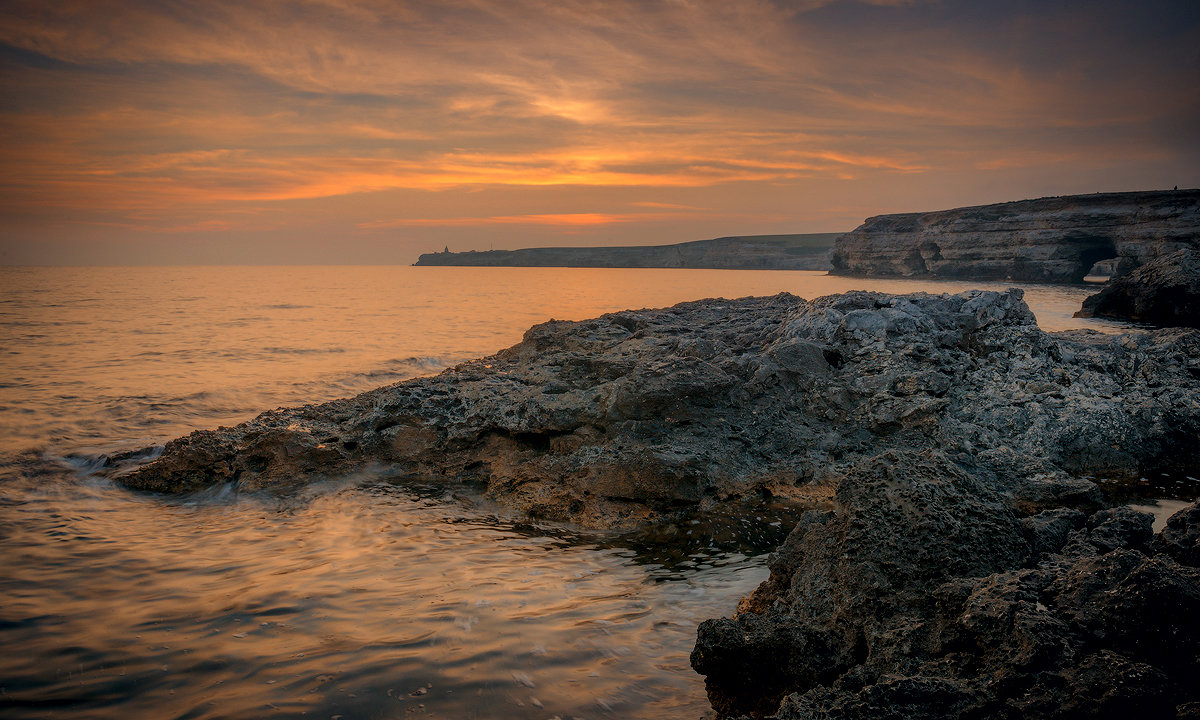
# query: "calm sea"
x,y
359,599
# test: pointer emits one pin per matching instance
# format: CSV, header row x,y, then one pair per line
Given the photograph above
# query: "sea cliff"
x,y
750,252
1056,239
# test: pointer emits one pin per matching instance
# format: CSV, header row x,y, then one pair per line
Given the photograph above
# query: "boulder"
x,y
922,596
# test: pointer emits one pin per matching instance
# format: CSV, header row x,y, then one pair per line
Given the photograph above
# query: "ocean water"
x,y
354,599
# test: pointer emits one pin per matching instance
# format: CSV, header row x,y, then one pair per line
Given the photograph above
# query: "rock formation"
x,y
927,595
630,414
1164,291
751,252
1047,240
954,564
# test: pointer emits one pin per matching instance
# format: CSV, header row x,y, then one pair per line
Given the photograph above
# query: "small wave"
x,y
406,366
90,463
287,306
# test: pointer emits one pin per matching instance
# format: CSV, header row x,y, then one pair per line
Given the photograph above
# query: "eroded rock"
x,y
623,417
1165,292
928,597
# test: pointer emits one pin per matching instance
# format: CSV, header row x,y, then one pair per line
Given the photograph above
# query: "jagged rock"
x,y
921,596
613,420
1055,239
1164,291
1180,539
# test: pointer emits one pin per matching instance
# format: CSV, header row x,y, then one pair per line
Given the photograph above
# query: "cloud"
x,y
181,113
556,220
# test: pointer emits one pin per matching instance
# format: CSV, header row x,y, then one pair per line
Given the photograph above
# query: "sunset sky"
x,y
335,131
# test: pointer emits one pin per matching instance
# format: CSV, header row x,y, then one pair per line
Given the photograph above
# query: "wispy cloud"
x,y
190,112
555,220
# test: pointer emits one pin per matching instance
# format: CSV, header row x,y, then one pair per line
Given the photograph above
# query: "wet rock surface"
x,y
1056,239
925,594
613,420
1164,291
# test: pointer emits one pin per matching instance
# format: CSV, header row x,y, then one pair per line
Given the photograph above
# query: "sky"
x,y
339,131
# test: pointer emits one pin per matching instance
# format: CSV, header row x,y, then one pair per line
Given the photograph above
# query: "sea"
x,y
359,597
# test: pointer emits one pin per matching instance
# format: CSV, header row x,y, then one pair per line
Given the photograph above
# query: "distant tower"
x,y
446,250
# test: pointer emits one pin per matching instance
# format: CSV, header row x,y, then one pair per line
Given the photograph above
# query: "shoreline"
x,y
960,399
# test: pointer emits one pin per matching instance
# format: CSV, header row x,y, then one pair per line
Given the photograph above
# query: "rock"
x,y
610,421
752,252
1180,539
922,597
954,564
1164,292
1042,492
1056,239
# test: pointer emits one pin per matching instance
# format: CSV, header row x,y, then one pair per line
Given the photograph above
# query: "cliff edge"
x,y
1057,239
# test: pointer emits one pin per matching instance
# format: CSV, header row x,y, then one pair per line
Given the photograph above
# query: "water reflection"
x,y
372,600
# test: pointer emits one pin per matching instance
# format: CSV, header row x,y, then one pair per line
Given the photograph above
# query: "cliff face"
x,y
1047,240
754,252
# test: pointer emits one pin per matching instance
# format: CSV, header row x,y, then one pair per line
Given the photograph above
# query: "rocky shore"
x,y
1057,239
956,560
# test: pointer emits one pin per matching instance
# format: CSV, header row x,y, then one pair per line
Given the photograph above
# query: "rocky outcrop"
x,y
634,414
953,564
928,594
1055,239
1164,291
750,252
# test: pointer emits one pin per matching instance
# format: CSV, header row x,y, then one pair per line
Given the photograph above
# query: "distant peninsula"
x,y
805,251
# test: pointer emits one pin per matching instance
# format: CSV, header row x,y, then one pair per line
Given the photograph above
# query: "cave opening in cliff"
x,y
1094,254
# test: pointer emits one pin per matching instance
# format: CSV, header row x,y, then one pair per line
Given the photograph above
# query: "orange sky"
x,y
327,131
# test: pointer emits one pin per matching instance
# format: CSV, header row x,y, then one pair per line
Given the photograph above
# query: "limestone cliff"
x,y
1054,239
752,252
